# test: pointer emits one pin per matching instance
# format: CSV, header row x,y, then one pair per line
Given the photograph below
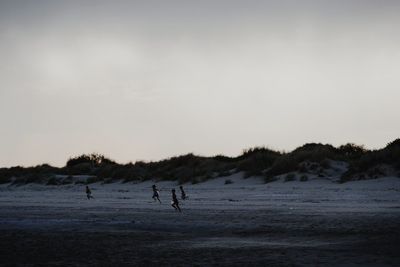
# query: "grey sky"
x,y
144,80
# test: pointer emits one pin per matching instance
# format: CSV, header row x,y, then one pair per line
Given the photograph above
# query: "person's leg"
x,y
173,205
177,205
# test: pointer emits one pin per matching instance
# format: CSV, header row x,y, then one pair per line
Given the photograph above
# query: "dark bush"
x,y
255,161
81,168
303,178
351,151
269,179
94,160
284,164
52,181
326,164
93,179
290,177
372,159
228,181
5,179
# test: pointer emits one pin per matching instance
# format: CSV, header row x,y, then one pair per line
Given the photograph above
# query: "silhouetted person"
x,y
156,195
88,193
183,194
175,202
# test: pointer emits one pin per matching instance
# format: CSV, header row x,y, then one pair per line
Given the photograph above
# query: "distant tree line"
x,y
259,161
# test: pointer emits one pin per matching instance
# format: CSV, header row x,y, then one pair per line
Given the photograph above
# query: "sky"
x,y
147,80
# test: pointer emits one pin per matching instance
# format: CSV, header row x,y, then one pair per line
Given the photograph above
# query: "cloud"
x,y
163,78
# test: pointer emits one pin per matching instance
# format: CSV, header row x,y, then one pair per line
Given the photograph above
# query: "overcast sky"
x,y
145,80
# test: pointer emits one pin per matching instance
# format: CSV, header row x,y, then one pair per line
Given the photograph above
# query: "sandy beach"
x,y
246,223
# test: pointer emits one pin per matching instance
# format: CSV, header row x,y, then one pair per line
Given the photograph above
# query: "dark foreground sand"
x,y
275,239
248,224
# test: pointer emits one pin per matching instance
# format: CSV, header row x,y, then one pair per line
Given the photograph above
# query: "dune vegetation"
x,y
309,160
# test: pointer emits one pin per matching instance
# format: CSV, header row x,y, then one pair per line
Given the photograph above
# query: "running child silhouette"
x,y
88,193
183,194
156,194
175,202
